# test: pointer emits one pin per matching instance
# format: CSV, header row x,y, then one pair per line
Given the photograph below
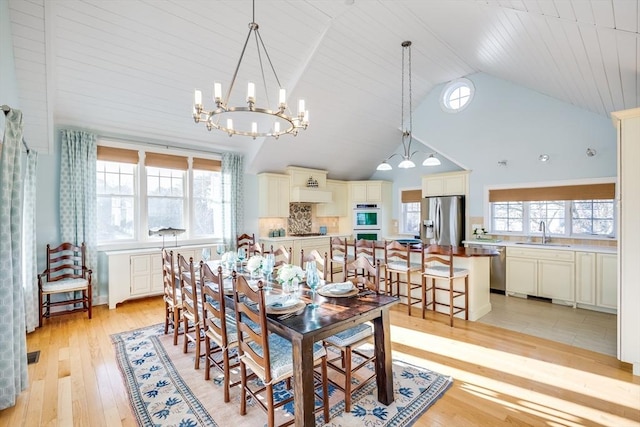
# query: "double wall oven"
x,y
367,219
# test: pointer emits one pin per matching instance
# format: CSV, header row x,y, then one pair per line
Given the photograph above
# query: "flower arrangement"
x,y
254,263
478,232
288,272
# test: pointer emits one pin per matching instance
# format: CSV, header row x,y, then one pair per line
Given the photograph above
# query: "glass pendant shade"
x,y
384,166
431,161
406,164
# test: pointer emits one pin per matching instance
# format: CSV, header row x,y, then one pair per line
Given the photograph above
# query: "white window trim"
x,y
450,87
142,239
585,181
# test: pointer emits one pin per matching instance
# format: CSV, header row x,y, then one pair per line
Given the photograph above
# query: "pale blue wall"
x,y
510,122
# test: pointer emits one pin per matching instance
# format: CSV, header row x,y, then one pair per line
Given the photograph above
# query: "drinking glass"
x,y
231,261
206,254
220,249
241,256
313,279
267,266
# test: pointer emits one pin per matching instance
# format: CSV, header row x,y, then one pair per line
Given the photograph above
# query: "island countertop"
x,y
458,251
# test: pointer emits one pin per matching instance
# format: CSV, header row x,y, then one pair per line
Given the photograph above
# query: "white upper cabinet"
x,y
273,195
445,184
339,205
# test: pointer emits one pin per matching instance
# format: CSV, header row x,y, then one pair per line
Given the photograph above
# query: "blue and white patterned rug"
x,y
165,390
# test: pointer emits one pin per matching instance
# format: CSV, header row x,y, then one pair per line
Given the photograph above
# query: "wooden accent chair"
x,y
321,262
366,278
66,272
337,253
268,356
434,269
397,260
172,295
220,331
192,323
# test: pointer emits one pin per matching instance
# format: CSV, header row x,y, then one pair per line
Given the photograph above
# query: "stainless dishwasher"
x,y
498,269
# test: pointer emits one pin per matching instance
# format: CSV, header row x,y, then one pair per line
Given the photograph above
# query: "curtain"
x,y
78,217
29,249
232,201
13,341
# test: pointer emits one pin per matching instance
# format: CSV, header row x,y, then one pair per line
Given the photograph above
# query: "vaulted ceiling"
x,y
127,68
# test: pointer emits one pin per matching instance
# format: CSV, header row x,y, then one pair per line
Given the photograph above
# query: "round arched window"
x,y
457,95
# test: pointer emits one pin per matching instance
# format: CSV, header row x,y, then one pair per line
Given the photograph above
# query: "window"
x,y
164,190
507,216
567,210
411,218
115,200
165,197
410,211
592,217
457,95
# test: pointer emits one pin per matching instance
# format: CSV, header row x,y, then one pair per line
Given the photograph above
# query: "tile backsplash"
x,y
300,218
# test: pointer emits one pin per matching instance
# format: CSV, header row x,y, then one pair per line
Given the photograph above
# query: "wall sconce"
x,y
591,152
543,157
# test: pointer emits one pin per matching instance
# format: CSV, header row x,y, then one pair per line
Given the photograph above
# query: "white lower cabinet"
x,y
597,280
541,272
138,273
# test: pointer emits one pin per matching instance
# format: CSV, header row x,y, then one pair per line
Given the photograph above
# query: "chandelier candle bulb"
x,y
282,98
301,107
251,92
254,128
197,98
217,92
230,124
276,127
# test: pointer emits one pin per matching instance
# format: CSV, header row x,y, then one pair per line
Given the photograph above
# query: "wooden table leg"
x,y
384,360
304,398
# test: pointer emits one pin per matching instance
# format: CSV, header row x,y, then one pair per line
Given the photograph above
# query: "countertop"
x,y
459,251
289,237
553,245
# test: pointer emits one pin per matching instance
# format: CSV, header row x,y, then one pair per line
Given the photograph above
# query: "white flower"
x,y
254,263
289,272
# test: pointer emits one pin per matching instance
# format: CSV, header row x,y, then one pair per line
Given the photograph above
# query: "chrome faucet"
x,y
543,228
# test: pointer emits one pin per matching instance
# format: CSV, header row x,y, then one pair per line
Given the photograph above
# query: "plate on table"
x,y
345,289
281,302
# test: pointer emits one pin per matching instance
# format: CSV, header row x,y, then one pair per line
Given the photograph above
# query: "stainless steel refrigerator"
x,y
442,220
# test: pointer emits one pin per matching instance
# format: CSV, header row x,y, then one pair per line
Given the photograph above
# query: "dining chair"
x,y
268,356
366,278
337,253
66,272
172,295
220,331
245,241
256,249
282,255
397,261
314,256
365,248
192,324
434,269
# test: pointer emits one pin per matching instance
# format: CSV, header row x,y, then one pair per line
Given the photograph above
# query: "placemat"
x,y
286,310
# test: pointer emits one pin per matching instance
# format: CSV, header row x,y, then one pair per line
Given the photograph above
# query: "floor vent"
x,y
33,357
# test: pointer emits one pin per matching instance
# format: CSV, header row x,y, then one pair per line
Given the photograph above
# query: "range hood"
x,y
310,195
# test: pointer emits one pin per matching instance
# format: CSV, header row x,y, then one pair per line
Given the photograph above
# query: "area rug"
x,y
165,390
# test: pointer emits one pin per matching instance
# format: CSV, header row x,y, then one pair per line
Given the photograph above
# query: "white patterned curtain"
x,y
13,342
29,249
232,201
78,218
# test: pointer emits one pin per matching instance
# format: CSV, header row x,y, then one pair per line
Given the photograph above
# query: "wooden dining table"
x,y
333,315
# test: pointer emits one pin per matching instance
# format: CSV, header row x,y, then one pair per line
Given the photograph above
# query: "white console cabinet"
x,y
138,273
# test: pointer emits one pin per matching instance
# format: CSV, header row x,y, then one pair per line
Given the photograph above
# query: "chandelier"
x,y
407,137
251,120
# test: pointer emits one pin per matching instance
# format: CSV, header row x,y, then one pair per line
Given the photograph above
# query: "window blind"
x,y
411,196
566,192
167,161
207,164
112,154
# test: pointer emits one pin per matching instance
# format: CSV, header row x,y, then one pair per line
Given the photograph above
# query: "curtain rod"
x,y
5,110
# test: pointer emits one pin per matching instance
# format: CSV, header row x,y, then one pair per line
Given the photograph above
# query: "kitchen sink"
x,y
557,245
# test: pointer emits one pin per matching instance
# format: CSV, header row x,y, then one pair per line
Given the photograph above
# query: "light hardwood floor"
x,y
501,377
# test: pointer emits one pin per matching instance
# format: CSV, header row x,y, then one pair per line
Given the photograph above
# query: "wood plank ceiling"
x,y
127,68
